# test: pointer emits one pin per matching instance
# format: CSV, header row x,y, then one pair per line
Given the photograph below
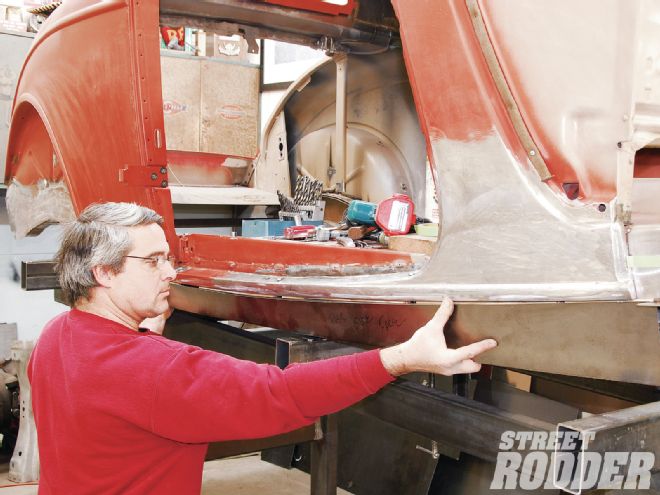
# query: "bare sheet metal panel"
x,y
605,340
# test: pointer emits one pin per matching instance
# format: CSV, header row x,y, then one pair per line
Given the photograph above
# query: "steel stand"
x,y
324,453
324,458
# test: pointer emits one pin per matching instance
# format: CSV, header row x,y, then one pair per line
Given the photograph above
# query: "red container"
x,y
396,215
299,231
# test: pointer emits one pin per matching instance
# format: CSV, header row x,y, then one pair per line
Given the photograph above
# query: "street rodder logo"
x,y
532,460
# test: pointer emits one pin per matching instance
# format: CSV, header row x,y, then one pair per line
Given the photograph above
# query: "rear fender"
x,y
97,108
37,195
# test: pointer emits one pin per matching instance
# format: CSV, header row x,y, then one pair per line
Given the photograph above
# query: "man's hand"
x,y
157,323
427,350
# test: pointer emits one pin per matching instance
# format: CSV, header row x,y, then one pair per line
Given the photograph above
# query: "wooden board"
x,y
412,243
229,109
222,196
181,96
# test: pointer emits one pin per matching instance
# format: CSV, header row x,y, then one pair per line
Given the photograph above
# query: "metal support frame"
x,y
341,60
24,463
624,430
258,346
635,429
324,452
312,433
331,461
466,424
306,348
38,275
631,392
470,426
324,458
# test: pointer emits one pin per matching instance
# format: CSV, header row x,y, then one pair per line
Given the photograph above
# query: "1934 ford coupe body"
x,y
538,126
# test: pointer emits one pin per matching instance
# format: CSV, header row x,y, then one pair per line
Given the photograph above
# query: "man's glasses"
x,y
155,261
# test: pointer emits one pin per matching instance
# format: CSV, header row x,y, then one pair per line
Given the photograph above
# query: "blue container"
x,y
361,212
270,228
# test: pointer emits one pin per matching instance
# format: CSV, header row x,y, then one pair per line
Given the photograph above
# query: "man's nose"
x,y
169,271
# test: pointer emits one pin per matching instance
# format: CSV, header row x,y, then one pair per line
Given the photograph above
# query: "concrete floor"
x,y
247,475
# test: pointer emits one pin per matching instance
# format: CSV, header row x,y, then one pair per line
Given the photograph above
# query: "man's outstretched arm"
x,y
223,398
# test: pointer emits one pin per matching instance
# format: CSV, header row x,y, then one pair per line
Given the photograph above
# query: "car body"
x,y
538,127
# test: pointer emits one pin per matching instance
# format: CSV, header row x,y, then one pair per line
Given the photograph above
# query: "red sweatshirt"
x,y
123,412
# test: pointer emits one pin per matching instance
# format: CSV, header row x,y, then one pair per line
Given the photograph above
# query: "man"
x,y
125,411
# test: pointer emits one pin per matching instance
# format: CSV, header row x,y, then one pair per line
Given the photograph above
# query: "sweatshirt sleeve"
x,y
203,396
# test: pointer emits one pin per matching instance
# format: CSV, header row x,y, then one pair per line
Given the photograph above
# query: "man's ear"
x,y
104,275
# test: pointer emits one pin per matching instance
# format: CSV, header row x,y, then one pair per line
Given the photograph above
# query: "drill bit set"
x,y
306,203
308,191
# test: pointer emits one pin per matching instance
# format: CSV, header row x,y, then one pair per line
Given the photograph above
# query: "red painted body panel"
x,y
37,159
118,83
241,254
454,92
196,168
647,163
317,6
598,188
561,170
117,121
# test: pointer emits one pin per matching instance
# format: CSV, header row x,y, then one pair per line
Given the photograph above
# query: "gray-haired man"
x,y
125,412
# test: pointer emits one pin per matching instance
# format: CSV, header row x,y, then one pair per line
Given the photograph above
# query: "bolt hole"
x,y
571,189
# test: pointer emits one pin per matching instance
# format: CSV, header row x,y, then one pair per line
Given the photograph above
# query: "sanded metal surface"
x,y
505,93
